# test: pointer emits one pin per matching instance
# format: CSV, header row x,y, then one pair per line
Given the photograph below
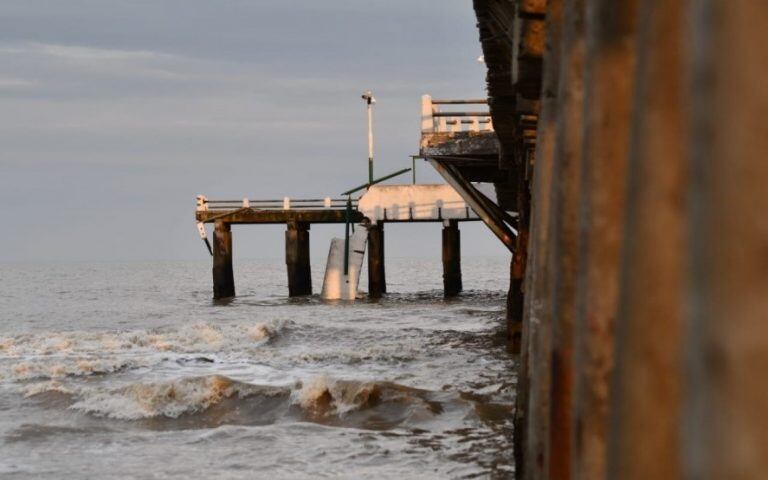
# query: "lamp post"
x,y
370,100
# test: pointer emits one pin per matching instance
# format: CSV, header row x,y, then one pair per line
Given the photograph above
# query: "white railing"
x,y
436,120
204,204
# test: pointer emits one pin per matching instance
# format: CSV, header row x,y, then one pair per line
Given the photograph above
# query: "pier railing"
x,y
286,203
434,119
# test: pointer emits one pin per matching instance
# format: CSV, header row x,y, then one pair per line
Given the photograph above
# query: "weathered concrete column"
x,y
377,281
451,258
223,274
297,259
609,94
645,399
532,412
726,428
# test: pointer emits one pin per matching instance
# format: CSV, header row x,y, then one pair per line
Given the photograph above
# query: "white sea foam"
x,y
60,367
165,399
187,338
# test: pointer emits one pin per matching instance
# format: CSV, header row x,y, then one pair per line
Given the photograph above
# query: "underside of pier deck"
x,y
252,216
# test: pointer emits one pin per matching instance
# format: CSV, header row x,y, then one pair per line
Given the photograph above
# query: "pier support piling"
x,y
297,259
223,275
451,258
377,283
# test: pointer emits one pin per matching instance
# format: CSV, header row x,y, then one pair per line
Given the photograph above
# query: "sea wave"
x,y
167,399
213,400
60,367
186,338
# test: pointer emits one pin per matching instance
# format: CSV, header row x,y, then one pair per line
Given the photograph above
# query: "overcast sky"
x,y
114,114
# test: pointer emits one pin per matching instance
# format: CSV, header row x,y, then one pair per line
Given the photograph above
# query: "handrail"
x,y
287,203
435,120
477,101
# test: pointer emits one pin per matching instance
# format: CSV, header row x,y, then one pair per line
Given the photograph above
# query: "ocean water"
x,y
132,371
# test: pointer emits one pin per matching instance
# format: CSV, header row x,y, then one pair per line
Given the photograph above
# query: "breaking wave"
x,y
68,367
168,399
209,401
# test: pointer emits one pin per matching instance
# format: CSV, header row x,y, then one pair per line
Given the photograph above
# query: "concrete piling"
x,y
451,258
223,274
297,259
377,282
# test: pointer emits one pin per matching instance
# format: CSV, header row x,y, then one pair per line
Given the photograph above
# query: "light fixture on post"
x,y
370,100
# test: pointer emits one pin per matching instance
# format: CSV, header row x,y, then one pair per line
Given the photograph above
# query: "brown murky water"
x,y
130,371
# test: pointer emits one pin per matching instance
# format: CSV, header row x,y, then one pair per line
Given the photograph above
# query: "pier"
x,y
379,205
626,158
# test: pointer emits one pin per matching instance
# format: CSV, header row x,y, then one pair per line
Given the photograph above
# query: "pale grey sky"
x,y
114,114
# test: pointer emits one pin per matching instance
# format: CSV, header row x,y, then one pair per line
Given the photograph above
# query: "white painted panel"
x,y
336,285
418,202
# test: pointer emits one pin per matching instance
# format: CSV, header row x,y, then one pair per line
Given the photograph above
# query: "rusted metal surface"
x,y
532,412
534,8
607,266
726,433
567,193
496,25
644,437
609,93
